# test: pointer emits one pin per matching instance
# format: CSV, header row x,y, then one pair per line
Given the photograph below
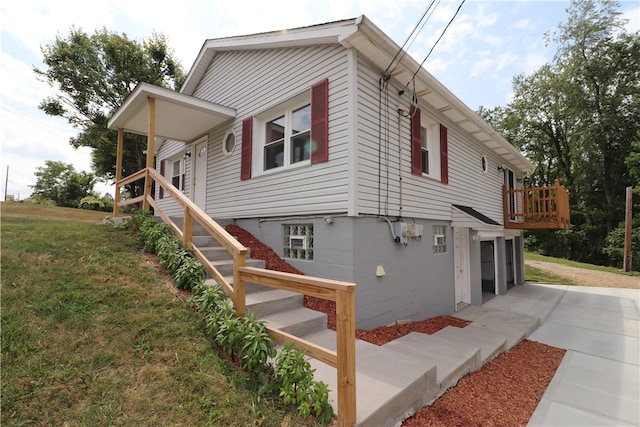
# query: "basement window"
x,y
298,241
439,239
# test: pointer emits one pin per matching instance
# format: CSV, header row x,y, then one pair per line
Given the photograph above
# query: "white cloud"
x,y
493,63
521,24
633,16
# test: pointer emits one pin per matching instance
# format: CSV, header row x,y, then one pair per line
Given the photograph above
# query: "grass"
x,y
533,274
92,334
537,257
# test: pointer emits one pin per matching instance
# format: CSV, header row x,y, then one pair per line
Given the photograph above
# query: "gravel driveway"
x,y
584,277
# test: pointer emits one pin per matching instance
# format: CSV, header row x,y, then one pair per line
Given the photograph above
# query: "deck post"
x,y
151,137
346,343
116,195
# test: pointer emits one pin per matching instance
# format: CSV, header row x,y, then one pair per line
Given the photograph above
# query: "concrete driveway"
x,y
598,381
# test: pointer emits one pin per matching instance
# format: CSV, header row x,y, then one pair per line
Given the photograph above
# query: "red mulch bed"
x,y
505,392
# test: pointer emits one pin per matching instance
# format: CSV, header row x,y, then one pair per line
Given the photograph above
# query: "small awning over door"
x,y
465,216
177,116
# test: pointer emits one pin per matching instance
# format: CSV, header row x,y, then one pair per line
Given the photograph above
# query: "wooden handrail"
x,y
344,359
343,293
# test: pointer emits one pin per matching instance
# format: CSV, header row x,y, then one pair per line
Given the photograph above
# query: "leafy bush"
x,y
189,273
297,386
257,345
96,203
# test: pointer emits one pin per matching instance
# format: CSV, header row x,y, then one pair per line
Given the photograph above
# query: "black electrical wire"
x,y
401,50
436,43
405,50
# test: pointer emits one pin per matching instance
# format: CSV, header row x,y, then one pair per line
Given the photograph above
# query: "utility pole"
x,y
6,184
627,231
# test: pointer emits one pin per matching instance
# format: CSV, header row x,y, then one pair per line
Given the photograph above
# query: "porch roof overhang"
x,y
468,217
177,116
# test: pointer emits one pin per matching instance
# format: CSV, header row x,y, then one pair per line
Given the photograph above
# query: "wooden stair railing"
x,y
343,293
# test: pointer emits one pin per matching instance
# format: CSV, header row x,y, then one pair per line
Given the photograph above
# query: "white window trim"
x,y
286,108
224,142
433,146
169,170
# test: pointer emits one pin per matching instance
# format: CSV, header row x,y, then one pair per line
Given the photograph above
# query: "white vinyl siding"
x,y
253,82
422,196
169,152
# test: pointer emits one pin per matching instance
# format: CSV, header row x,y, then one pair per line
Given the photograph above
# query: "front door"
x,y
199,183
461,266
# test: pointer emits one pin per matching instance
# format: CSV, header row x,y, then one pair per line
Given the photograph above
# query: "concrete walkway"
x,y
598,381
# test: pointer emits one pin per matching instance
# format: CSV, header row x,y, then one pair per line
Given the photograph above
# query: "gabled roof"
x,y
178,116
365,37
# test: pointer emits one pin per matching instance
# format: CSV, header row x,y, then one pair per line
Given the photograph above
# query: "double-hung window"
x,y
287,138
425,150
177,173
294,133
430,148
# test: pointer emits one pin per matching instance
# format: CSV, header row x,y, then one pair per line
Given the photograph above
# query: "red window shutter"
x,y
247,141
416,143
161,191
444,154
320,122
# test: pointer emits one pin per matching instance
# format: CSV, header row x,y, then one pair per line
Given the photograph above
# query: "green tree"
x,y
576,118
60,183
93,75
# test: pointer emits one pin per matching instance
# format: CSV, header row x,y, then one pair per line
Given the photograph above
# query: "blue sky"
x,y
488,43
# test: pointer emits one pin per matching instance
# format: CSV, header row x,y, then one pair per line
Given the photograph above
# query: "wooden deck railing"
x,y
343,293
536,207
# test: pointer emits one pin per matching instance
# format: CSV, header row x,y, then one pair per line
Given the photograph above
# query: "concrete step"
x,y
250,287
453,358
300,321
489,341
205,241
390,385
199,230
513,326
268,301
225,267
215,253
325,338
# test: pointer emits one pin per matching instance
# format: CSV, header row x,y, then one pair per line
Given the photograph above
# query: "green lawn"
x,y
537,257
92,335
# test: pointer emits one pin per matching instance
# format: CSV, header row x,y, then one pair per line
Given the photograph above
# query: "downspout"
x,y
400,161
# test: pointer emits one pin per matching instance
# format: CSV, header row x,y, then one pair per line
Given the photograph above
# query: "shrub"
x,y
189,273
257,345
298,388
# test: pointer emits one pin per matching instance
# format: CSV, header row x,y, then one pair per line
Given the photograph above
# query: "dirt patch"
x,y
585,277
